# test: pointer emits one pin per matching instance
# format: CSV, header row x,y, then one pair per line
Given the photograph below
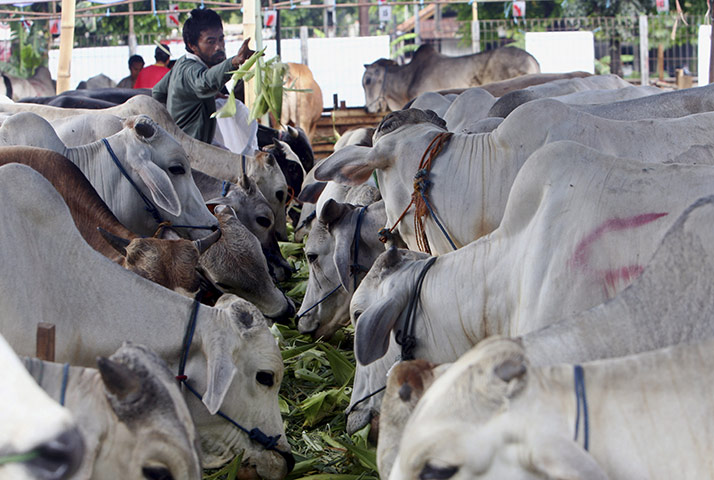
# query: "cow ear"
x,y
122,383
374,325
351,165
561,458
221,370
160,186
311,192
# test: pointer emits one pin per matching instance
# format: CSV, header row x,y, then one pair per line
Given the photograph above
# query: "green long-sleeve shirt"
x,y
189,92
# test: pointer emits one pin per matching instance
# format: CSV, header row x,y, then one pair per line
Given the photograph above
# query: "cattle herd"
x,y
526,264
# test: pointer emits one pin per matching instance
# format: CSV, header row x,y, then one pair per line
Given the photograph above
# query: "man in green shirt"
x,y
190,88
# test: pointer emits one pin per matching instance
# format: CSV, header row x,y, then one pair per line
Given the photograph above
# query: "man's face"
x,y
135,68
211,47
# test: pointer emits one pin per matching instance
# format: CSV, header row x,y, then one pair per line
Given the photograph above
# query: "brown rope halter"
x,y
421,186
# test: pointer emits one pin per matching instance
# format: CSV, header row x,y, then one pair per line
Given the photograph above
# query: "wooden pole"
x,y
45,348
644,52
475,29
132,33
249,30
66,44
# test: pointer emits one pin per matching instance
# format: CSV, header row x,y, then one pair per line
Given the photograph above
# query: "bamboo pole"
x,y
66,44
249,30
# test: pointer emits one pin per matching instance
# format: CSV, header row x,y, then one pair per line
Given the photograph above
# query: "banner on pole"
x,y
172,18
519,9
270,18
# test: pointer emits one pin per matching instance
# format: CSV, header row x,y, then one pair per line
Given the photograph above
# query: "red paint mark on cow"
x,y
580,258
624,275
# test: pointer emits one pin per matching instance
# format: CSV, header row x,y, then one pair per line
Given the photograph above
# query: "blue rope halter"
x,y
65,378
150,207
582,403
266,441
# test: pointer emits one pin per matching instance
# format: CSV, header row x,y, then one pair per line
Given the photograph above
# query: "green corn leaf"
x,y
342,368
227,110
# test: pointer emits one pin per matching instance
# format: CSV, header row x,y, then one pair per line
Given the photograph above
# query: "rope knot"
x,y
385,235
408,344
269,442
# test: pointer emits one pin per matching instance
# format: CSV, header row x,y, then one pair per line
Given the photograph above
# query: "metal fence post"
x,y
644,51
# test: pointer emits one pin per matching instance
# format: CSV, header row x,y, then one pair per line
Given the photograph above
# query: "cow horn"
x,y
202,244
292,131
245,182
115,241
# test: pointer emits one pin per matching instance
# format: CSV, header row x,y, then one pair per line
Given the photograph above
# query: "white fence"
x,y
336,63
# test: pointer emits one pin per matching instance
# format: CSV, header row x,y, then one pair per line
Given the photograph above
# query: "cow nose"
x,y
287,314
59,458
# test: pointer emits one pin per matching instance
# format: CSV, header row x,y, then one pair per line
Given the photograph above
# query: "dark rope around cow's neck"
x,y
406,337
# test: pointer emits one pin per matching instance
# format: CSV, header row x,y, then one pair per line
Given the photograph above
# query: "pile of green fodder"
x,y
313,397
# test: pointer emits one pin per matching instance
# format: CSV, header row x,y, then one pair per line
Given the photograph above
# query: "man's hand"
x,y
244,53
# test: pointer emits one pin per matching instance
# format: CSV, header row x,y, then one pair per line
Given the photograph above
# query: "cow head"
x,y
264,169
239,370
169,261
471,423
33,422
406,384
289,164
330,254
373,83
163,173
155,436
379,304
236,264
400,118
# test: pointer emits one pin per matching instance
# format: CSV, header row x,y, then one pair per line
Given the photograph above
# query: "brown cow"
x,y
168,262
301,109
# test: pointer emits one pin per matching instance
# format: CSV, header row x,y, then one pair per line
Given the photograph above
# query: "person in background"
x,y
189,90
149,76
136,63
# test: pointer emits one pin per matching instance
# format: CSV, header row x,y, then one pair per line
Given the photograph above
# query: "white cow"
x,y
233,362
492,415
341,248
580,227
39,438
668,304
510,101
472,177
130,412
153,160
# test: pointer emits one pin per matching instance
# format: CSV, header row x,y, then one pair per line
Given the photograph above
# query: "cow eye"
x,y
157,473
263,222
367,81
430,472
265,378
311,257
357,315
177,170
